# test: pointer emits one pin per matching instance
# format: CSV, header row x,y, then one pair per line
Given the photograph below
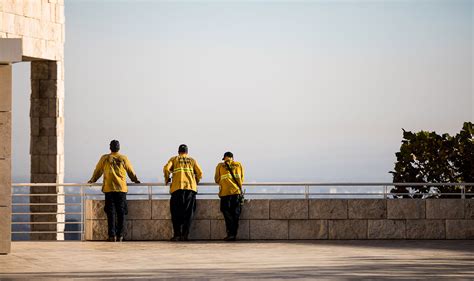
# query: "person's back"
x,y
186,173
115,168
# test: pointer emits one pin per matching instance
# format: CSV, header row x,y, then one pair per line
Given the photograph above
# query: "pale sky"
x,y
299,91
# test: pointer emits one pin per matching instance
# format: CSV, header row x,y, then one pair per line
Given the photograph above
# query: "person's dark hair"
x,y
114,146
183,148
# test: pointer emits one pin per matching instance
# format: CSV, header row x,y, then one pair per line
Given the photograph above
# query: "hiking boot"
x,y
230,238
175,238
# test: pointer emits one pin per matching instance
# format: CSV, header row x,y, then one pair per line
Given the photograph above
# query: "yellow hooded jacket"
x,y
186,173
227,185
114,167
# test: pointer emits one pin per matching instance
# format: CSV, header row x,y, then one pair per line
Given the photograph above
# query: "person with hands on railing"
x,y
186,175
230,177
115,167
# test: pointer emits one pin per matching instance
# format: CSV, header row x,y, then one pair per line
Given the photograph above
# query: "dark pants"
x,y
116,210
182,206
230,207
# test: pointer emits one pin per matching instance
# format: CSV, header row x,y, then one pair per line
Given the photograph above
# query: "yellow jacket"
x,y
186,173
227,185
114,167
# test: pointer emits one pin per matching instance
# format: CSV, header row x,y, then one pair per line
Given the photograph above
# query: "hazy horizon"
x,y
298,91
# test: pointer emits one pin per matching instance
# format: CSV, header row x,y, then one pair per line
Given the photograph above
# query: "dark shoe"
x,y
119,239
230,238
112,239
175,238
184,238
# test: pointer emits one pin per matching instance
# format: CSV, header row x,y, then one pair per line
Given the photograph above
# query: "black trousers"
x,y
182,207
116,209
230,208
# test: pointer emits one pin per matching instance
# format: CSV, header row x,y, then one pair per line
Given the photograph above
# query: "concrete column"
x,y
47,147
5,157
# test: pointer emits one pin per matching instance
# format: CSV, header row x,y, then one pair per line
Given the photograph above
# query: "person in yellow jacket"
x,y
115,167
186,175
230,177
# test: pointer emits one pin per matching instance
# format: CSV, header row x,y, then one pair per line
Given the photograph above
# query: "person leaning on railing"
x,y
230,177
186,175
115,167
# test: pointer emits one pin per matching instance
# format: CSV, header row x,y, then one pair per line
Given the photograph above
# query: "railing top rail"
x,y
322,184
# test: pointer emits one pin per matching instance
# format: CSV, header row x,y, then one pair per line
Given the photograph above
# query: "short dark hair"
x,y
183,148
114,146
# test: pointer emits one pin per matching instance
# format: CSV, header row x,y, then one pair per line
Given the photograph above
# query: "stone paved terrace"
x,y
323,260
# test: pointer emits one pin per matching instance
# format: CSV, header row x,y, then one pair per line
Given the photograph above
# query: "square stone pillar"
x,y
5,157
47,149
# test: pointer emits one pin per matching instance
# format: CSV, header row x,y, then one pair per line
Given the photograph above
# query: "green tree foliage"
x,y
428,157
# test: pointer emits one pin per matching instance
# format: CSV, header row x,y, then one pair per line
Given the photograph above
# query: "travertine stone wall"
x,y
40,26
5,157
40,23
301,219
47,146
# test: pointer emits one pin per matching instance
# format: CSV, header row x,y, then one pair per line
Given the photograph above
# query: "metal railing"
x,y
74,195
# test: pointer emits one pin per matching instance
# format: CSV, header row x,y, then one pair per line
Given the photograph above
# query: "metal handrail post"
x,y
82,213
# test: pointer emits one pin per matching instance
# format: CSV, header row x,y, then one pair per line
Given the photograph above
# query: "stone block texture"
x,y
444,209
307,229
459,229
40,26
160,210
367,209
289,209
256,210
5,157
406,209
386,229
328,209
269,229
40,23
47,140
347,229
426,229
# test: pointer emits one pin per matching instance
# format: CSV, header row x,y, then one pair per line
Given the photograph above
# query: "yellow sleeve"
x,y
197,171
167,170
99,170
217,175
130,172
241,173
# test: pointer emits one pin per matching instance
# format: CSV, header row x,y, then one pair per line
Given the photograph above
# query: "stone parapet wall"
x,y
295,219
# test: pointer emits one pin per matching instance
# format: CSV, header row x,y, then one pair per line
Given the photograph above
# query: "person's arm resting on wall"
x,y
167,171
130,172
99,170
